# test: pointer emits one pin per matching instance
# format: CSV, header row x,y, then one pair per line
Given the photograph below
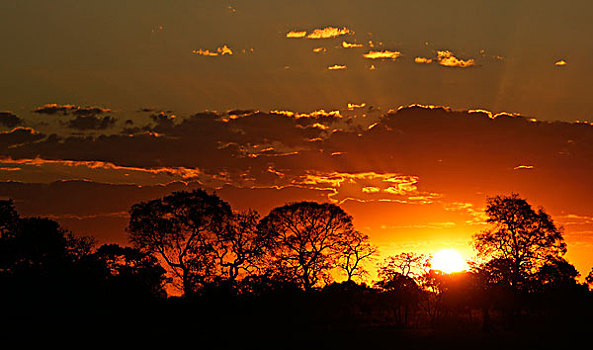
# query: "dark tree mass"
x,y
298,274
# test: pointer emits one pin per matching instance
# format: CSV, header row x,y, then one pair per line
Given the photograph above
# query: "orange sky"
x,y
415,178
103,105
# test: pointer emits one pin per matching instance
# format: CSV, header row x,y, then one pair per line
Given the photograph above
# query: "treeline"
x,y
299,268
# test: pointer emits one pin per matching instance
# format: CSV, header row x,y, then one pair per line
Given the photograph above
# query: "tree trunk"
x,y
485,319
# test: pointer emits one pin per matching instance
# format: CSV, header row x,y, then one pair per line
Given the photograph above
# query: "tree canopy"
x,y
524,237
179,229
312,239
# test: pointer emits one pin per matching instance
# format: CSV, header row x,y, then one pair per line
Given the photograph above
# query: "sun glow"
x,y
448,261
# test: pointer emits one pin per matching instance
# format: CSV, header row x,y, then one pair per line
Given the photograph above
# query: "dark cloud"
x,y
90,111
19,135
437,163
216,143
90,122
446,151
9,119
54,108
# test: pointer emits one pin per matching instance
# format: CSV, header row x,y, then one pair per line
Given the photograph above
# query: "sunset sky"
x,y
408,114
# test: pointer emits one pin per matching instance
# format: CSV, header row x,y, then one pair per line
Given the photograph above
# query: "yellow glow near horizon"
x,y
448,261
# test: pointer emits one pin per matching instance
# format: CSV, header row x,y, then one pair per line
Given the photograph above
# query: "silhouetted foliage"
x,y
241,249
408,264
131,271
253,282
8,219
181,229
312,239
525,238
589,277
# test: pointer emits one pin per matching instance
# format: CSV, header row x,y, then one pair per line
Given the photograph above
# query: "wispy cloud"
x,y
295,34
54,108
319,50
220,51
519,167
379,55
348,45
337,67
319,33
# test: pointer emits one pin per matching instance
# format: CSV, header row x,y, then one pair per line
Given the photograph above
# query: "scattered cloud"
x,y
220,51
328,33
319,50
337,67
423,60
348,45
352,106
319,33
379,55
447,59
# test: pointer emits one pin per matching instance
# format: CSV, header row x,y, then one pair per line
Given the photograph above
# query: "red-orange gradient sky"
x,y
109,103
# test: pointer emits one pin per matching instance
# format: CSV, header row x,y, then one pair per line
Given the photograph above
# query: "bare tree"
x,y
408,264
356,248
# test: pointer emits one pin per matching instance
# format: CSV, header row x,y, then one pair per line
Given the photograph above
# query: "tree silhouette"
x,y
241,247
403,294
8,219
131,271
356,248
309,240
408,264
525,238
180,230
557,273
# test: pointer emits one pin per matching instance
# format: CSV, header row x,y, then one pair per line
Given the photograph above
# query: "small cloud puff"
x,y
220,51
352,106
348,45
423,60
337,67
560,63
447,59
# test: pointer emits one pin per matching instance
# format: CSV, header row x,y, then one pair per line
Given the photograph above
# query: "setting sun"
x,y
448,261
